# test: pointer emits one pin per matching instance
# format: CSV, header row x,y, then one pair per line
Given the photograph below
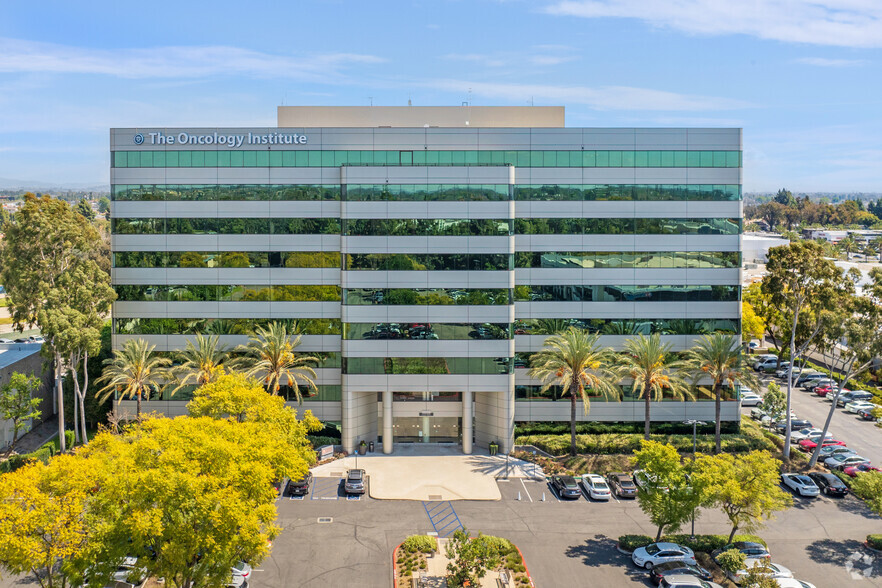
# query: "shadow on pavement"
x,y
830,551
597,551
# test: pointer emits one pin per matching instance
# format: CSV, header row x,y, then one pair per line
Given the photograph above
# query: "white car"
x,y
750,398
595,486
793,583
774,570
803,485
658,553
797,436
854,407
5,340
843,460
686,581
241,575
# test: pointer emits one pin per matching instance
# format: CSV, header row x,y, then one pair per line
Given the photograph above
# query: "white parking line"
x,y
526,491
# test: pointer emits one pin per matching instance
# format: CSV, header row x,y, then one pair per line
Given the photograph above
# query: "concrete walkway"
x,y
431,473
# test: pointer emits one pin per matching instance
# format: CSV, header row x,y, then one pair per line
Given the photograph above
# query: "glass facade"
x,y
226,259
327,158
607,293
427,331
427,365
640,192
434,227
225,226
628,259
220,326
429,261
215,192
226,293
473,296
628,226
628,326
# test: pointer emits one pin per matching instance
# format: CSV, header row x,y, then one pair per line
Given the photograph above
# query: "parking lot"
x,y
565,542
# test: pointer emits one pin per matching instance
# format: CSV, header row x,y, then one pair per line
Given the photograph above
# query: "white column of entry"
x,y
467,419
387,421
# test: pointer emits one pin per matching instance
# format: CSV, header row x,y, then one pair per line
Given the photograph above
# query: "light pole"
x,y
694,424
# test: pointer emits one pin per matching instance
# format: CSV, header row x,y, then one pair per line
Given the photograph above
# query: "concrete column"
x,y
387,421
467,420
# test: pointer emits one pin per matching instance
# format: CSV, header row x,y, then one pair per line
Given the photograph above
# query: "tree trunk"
x,y
658,535
787,428
732,534
59,392
572,422
76,412
718,399
817,451
82,398
138,414
646,398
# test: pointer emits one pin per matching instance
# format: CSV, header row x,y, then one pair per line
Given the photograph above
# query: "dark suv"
x,y
300,487
354,483
622,485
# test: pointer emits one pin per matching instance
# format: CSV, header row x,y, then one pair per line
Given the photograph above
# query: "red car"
x,y
810,444
853,471
824,390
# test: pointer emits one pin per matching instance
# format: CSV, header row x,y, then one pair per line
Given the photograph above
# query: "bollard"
x,y
519,494
543,497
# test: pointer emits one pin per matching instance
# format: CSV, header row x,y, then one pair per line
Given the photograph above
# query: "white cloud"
x,y
17,56
600,98
825,62
846,23
537,55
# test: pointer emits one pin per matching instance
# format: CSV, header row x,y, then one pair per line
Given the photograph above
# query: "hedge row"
x,y
610,444
317,440
875,541
14,462
595,428
701,543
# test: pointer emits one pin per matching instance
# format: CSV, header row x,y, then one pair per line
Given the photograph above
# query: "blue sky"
x,y
802,77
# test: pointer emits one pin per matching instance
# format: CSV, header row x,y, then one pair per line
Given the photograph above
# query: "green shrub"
x,y
423,543
69,439
875,541
708,543
597,428
317,440
732,560
626,443
632,542
499,545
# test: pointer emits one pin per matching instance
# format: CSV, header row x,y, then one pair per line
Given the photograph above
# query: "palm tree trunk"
x,y
572,422
718,397
139,405
646,399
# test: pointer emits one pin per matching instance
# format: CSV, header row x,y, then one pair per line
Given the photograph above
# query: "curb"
x,y
524,561
872,549
395,565
623,551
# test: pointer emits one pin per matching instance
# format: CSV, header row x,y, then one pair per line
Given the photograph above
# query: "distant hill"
x,y
13,186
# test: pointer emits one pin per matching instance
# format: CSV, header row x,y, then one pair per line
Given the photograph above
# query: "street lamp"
x,y
694,424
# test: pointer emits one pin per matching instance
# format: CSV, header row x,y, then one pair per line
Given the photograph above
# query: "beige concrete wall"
x,y
359,422
420,116
494,419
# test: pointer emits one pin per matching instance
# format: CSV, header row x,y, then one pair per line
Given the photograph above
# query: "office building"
x,y
425,252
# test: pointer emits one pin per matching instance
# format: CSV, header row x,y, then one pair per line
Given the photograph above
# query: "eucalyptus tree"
x,y
719,358
575,361
802,283
656,371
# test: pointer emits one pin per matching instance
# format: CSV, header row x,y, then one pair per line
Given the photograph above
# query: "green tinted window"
x,y
226,326
611,293
422,331
427,296
427,365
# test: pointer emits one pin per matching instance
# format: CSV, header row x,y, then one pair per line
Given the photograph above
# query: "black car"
x,y
300,487
622,485
678,567
795,425
354,483
829,483
566,487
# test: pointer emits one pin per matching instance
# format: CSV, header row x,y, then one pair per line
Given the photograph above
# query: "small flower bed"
x,y
410,556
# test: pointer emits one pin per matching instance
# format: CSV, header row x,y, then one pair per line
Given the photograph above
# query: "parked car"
x,y
750,398
843,460
748,548
812,384
830,389
806,433
658,553
686,581
354,483
793,583
770,570
678,568
596,487
867,413
757,413
810,444
802,485
806,376
860,468
795,425
5,341
781,372
566,486
622,484
769,364
300,487
854,406
831,450
847,397
753,360
829,484
241,575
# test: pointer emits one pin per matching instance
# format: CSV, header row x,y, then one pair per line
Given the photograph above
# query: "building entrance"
x,y
426,429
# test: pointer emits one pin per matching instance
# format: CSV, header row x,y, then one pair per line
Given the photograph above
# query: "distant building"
x,y
755,246
24,358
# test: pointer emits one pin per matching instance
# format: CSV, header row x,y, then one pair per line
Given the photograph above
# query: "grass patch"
x,y
5,321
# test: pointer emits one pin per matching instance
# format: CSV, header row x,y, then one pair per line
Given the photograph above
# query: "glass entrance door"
x,y
426,429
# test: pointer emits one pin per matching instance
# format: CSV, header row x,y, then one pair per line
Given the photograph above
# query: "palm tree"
x,y
654,370
270,354
133,371
200,363
719,357
574,361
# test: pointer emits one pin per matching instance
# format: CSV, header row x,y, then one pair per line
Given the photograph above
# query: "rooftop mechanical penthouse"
x,y
426,252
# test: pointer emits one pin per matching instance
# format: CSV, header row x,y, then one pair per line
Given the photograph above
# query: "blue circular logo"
x,y
139,138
